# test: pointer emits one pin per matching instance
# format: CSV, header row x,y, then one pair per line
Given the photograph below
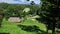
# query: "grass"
x,y
12,28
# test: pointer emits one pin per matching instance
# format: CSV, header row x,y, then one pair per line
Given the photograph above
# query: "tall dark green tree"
x,y
50,13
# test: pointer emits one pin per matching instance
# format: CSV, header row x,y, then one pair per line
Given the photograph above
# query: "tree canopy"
x,y
50,13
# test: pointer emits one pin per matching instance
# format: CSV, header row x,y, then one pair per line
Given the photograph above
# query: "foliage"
x,y
50,13
12,10
1,17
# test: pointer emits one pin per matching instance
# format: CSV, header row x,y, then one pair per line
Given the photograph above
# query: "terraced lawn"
x,y
13,28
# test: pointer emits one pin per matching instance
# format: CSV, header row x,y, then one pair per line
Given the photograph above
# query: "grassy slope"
x,y
12,28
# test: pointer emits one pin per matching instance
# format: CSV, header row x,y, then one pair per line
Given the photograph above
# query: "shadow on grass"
x,y
32,29
58,32
41,20
4,33
50,24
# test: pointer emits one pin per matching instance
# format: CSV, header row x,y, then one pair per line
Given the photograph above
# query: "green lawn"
x,y
13,28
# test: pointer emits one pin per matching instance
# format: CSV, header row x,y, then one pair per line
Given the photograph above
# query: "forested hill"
x,y
17,9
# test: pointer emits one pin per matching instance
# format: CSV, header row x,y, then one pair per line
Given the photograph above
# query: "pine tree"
x,y
50,13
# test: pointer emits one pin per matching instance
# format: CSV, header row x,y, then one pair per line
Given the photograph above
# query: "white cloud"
x,y
20,1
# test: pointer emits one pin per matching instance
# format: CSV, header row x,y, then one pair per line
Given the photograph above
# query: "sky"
x,y
19,1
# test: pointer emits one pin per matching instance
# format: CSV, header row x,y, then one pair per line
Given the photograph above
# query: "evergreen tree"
x,y
50,13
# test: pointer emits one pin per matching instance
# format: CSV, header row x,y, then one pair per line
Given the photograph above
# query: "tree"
x,y
50,13
32,3
28,0
1,17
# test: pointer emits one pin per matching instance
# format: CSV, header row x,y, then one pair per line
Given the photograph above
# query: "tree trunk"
x,y
54,25
1,19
